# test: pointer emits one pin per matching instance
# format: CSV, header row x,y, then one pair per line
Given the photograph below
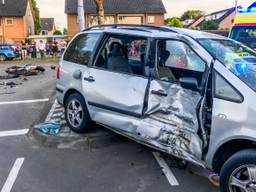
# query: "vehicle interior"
x,y
176,61
123,54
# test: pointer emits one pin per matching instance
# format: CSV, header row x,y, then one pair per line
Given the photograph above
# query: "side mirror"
x,y
189,83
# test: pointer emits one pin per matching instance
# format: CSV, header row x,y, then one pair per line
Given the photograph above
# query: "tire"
x,y
72,115
238,167
2,57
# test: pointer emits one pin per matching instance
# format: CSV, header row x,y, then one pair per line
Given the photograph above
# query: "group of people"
x,y
31,50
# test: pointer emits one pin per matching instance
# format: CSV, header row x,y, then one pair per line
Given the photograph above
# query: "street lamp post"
x,y
236,6
80,11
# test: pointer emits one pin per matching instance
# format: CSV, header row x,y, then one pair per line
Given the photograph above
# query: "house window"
x,y
130,19
108,19
151,19
44,32
9,21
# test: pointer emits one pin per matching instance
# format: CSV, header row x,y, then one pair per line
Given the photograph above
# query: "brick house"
x,y
47,26
224,18
16,20
149,12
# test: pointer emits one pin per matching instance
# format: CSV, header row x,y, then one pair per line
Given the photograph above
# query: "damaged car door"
x,y
115,85
174,101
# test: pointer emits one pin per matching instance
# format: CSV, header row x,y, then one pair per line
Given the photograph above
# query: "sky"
x,y
55,8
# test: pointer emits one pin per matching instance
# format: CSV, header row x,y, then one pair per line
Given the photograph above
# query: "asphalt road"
x,y
122,166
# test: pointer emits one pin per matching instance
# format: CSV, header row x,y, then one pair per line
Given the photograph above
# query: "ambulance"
x,y
244,26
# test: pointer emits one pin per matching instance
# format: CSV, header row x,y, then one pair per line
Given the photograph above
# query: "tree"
x,y
210,25
36,13
65,31
57,32
174,22
191,14
100,10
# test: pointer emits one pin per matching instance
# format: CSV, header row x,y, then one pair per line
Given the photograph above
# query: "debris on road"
x,y
50,128
53,67
25,70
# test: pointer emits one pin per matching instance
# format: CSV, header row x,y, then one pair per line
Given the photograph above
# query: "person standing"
x,y
63,46
23,50
42,49
34,50
55,48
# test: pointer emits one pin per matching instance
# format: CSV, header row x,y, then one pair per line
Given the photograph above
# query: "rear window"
x,y
81,48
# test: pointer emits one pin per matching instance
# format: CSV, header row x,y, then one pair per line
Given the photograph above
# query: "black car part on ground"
x,y
25,70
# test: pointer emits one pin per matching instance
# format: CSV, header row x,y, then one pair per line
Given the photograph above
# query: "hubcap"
x,y
243,179
75,113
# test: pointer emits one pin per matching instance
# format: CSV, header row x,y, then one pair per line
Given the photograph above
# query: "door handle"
x,y
161,93
89,79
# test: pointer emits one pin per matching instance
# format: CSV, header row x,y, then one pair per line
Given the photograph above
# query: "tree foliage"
x,y
100,11
174,22
210,25
191,14
65,31
36,13
57,32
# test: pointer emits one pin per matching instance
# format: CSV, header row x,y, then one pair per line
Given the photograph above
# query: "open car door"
x,y
173,117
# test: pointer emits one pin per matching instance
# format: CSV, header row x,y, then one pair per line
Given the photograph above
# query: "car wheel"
x,y
2,57
76,114
238,174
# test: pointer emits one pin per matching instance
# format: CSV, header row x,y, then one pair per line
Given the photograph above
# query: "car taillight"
x,y
58,72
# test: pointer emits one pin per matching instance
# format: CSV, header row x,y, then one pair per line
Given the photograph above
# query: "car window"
x,y
123,54
180,55
224,90
236,57
81,48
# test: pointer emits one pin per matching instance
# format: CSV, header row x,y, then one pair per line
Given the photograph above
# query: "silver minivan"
x,y
187,93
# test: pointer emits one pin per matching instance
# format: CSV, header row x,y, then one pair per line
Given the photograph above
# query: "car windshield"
x,y
238,58
245,35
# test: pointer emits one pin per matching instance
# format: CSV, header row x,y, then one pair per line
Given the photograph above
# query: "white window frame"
x,y
151,19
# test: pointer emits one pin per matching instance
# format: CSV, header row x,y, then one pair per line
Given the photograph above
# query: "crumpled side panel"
x,y
172,121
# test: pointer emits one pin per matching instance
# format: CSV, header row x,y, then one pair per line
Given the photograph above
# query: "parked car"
x,y
186,93
8,52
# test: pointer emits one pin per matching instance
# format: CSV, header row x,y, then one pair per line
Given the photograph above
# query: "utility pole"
x,y
80,11
236,4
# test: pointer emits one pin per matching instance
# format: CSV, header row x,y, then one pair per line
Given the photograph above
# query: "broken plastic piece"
x,y
50,128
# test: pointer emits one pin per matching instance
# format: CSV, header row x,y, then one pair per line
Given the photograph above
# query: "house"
x,y
194,23
16,20
224,18
47,26
117,12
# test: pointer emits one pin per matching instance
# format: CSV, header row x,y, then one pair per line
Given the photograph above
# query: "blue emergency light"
x,y
250,9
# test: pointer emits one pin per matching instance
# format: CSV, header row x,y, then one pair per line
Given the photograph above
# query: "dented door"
x,y
172,115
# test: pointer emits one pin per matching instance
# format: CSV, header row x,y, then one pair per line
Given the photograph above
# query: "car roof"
x,y
154,31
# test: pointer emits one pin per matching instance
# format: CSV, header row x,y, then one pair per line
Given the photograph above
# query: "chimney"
x,y
3,2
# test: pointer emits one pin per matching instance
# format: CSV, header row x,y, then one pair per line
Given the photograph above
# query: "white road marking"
x,y
12,175
13,132
23,101
166,170
48,118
